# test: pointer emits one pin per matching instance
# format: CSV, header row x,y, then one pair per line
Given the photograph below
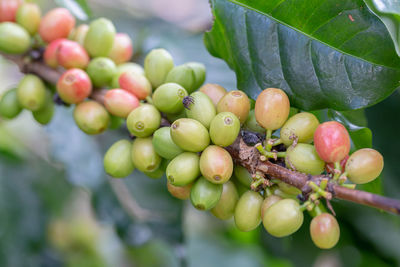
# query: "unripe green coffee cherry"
x,y
301,127
225,207
199,73
9,105
118,160
31,92
168,98
243,176
126,67
324,231
157,173
364,166
143,120
248,211
224,129
183,169
157,65
183,75
268,202
214,91
163,144
288,189
283,218
116,122
180,192
216,164
236,102
91,117
101,70
251,123
239,186
200,107
144,157
100,38
304,158
190,135
45,114
28,16
78,35
14,39
205,195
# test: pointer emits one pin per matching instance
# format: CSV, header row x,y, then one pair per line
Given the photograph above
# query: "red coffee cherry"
x,y
57,23
50,54
135,83
122,49
70,55
120,102
8,9
74,86
332,141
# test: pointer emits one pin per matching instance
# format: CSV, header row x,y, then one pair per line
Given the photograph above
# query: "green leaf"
x,y
79,8
389,13
323,53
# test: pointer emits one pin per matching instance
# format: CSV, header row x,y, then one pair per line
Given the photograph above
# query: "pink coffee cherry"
x,y
56,24
74,86
120,102
8,9
136,84
50,54
70,55
122,49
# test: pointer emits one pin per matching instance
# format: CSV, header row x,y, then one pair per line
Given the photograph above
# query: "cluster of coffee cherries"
x,y
182,128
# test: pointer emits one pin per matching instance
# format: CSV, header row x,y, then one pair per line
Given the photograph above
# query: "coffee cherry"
x,y
122,48
183,169
224,129
101,70
236,102
252,125
332,141
157,173
9,105
28,16
248,211
120,102
288,189
226,205
200,108
205,195
70,55
163,144
91,117
13,38
325,231
50,54
143,120
136,84
239,186
183,75
118,160
100,38
126,67
283,218
268,202
301,127
8,9
180,192
157,65
272,108
78,35
74,86
31,92
144,157
214,91
190,135
45,114
168,98
304,158
216,164
243,175
115,122
56,24
364,165
199,73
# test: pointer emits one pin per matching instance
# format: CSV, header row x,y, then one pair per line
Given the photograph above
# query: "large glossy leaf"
x,y
323,53
389,12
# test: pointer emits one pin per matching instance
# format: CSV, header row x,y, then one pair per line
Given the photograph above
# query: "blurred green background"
x,y
58,208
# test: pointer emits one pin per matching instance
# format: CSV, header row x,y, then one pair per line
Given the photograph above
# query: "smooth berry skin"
x,y
332,141
122,49
74,86
236,102
9,105
28,16
79,33
117,160
120,102
143,121
272,108
100,38
190,135
91,117
31,92
300,126
50,54
135,83
14,39
214,91
248,211
364,166
226,205
56,24
268,202
144,157
324,231
70,55
163,144
8,9
101,71
224,129
183,169
157,65
204,194
216,164
201,108
180,192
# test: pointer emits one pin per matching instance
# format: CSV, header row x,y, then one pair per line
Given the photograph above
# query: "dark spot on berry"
x,y
187,101
251,138
200,207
